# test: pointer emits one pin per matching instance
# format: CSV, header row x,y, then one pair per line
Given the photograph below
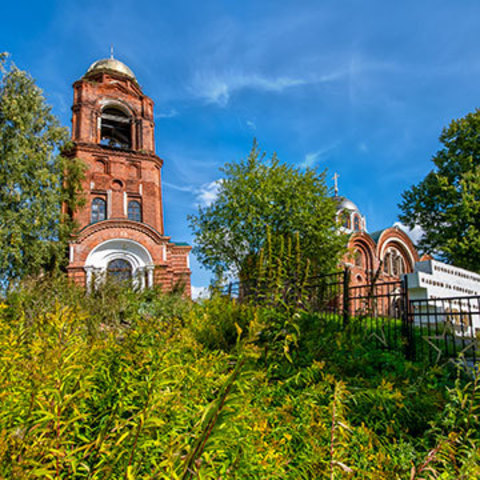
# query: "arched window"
x,y
358,258
134,211
401,266
120,270
345,219
115,128
398,264
356,223
395,263
386,263
99,210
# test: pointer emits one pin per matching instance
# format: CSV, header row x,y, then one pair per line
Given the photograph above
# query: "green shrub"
x,y
220,322
138,385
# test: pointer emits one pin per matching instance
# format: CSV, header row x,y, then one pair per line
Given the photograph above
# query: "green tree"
x,y
36,182
256,196
446,203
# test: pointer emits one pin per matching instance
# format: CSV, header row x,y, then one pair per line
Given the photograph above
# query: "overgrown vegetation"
x,y
122,384
257,194
446,203
36,181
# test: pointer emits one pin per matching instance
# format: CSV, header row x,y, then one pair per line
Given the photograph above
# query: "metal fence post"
x,y
407,322
346,296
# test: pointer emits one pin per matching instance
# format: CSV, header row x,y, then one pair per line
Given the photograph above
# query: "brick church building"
x,y
121,232
386,254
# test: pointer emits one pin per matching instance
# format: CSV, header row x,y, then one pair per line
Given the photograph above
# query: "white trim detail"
x,y
150,270
400,242
133,252
109,204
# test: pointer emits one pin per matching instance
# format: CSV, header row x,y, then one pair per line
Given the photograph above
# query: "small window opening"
x,y
356,223
134,211
133,171
100,166
99,209
116,130
386,263
358,258
117,185
119,270
398,265
345,219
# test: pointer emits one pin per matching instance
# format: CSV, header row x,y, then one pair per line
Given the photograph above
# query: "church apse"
x,y
384,255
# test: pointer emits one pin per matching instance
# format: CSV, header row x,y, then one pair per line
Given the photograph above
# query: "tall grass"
x,y
138,385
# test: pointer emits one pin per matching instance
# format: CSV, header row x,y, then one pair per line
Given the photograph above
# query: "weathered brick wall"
x,y
127,176
372,253
118,176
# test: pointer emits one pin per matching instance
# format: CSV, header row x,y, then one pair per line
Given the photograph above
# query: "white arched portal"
x,y
120,249
397,244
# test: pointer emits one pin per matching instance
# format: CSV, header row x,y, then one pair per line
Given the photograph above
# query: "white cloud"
x,y
185,188
218,88
312,158
251,125
207,193
167,114
415,234
199,293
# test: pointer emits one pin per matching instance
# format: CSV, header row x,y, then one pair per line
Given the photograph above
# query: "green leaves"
x,y
179,395
34,180
256,194
446,204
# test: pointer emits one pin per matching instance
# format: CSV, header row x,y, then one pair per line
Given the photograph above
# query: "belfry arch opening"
x,y
115,128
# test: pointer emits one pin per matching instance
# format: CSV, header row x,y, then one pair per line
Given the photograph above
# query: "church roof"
x,y
345,203
111,65
376,235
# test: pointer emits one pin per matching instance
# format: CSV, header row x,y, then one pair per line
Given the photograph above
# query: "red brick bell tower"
x,y
121,231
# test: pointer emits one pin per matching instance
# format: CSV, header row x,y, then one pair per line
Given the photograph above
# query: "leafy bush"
x,y
136,385
220,322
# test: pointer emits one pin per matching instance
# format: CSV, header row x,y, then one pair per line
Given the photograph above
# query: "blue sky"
x,y
362,88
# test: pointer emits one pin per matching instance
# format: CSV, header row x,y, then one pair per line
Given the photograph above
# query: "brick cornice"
x,y
133,155
94,228
180,248
97,78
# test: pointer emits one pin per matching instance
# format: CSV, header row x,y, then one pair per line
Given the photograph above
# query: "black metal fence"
x,y
432,330
378,308
444,328
326,294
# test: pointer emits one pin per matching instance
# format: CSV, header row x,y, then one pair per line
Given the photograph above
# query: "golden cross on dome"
x,y
335,179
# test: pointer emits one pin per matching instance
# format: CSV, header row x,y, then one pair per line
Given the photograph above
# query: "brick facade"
x,y
389,252
386,254
113,133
